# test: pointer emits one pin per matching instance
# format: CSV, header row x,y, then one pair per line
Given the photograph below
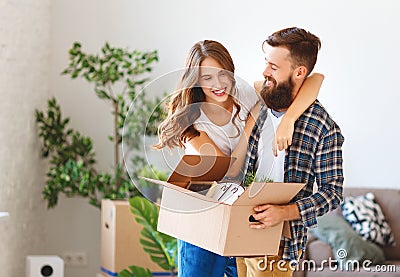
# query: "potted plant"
x,y
162,248
118,76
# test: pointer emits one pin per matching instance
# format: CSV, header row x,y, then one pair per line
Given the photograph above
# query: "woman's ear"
x,y
300,72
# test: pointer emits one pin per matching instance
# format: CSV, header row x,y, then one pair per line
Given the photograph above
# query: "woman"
x,y
209,114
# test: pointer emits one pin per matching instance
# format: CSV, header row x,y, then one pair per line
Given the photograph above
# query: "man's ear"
x,y
300,72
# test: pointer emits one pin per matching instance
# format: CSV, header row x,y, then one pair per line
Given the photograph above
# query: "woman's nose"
x,y
217,83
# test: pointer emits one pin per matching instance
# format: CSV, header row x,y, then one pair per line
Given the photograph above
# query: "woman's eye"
x,y
223,75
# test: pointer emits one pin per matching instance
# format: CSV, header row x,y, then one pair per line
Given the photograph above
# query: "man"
x,y
315,154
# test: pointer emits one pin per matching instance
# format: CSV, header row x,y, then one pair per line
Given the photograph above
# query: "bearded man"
x,y
314,156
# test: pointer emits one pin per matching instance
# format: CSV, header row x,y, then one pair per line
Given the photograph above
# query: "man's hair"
x,y
302,45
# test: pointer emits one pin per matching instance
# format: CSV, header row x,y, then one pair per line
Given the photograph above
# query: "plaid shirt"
x,y
315,155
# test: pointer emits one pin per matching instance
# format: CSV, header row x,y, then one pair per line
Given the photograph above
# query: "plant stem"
x,y
116,145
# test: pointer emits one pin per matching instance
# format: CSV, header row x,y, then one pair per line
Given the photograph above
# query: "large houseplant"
x,y
162,248
118,76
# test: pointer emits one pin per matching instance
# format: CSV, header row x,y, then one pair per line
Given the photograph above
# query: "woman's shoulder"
x,y
247,96
202,118
244,86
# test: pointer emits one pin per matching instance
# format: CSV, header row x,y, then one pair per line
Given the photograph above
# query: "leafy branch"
x,y
118,76
114,66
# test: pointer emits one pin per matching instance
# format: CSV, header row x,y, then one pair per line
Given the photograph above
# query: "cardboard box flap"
x,y
200,168
180,189
268,193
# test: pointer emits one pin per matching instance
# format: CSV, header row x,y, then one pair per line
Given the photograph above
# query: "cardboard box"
x,y
120,246
222,228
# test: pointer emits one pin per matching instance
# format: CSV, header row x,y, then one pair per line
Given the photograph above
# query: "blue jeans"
x,y
194,261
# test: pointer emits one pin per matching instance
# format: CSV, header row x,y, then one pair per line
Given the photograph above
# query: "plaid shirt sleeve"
x,y
329,178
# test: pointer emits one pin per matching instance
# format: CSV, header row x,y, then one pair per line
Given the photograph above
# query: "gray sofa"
x,y
318,251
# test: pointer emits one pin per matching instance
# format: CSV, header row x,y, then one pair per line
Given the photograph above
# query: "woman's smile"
x,y
219,92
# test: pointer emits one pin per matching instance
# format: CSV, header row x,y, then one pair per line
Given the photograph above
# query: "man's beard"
x,y
277,97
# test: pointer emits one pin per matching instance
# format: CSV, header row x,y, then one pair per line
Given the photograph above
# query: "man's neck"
x,y
277,114
296,88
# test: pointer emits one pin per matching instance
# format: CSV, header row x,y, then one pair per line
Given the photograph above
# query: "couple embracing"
x,y
278,131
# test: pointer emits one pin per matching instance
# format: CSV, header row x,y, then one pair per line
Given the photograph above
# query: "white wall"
x,y
24,86
359,58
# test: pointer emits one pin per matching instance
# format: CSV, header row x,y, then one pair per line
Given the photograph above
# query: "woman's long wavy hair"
x,y
178,127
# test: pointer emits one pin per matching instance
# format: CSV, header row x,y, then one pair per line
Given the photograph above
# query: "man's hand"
x,y
271,215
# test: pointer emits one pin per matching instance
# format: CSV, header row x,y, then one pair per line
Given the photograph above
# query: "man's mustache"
x,y
267,79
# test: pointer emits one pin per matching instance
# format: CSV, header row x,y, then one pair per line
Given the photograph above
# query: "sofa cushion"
x,y
317,252
389,200
347,245
366,217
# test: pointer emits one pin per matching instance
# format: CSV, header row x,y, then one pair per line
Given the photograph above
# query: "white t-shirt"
x,y
268,166
226,137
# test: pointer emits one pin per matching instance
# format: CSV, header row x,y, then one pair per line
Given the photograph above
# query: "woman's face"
x,y
215,81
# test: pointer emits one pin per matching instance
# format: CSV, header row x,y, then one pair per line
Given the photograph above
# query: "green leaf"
x,y
124,273
102,94
77,44
144,211
160,246
135,271
107,46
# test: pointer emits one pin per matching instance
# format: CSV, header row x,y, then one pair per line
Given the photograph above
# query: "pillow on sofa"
x,y
347,244
366,217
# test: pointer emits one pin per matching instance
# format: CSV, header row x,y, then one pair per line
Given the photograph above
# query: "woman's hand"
x,y
304,98
283,135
